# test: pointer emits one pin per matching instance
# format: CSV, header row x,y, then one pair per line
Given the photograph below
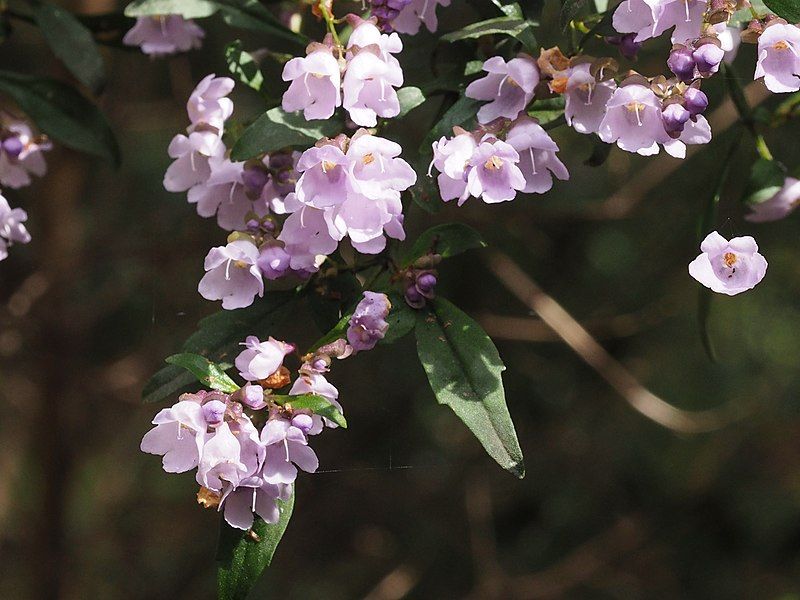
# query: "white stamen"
x,y
686,5
228,269
500,88
533,162
305,83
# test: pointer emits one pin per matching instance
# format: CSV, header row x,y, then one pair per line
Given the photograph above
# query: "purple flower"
x,y
260,359
681,62
253,496
164,34
286,450
306,238
675,117
495,176
708,58
232,275
509,86
325,174
634,16
375,167
416,13
729,38
21,155
779,58
312,381
633,120
368,86
315,84
586,99
364,220
221,460
695,131
191,165
451,157
12,230
695,100
178,436
368,324
728,267
208,103
778,206
274,261
686,16
537,155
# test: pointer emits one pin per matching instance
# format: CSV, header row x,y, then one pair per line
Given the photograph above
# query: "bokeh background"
x,y
407,505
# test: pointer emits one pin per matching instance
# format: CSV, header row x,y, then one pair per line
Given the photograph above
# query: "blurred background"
x,y
406,503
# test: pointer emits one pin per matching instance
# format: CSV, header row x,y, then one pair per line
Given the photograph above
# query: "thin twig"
x,y
588,349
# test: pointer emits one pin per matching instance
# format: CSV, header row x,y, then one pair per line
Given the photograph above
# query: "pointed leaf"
x,y
208,373
409,98
252,15
243,555
317,404
277,129
786,9
464,371
446,240
188,9
243,65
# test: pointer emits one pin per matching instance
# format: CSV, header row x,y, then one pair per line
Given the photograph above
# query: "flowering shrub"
x,y
312,195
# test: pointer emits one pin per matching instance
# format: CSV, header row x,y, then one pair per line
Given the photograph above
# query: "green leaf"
x,y
569,10
464,371
447,240
410,98
243,65
72,43
277,129
218,339
337,332
319,405
460,113
252,15
188,9
766,179
62,113
401,319
511,26
242,556
786,9
208,373
330,297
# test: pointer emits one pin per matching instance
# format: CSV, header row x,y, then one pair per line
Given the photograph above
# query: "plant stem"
x,y
326,14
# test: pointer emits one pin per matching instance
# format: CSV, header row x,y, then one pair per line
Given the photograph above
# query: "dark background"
x,y
407,504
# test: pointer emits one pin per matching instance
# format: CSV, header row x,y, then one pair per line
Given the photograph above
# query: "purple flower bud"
x,y
682,63
368,323
425,284
13,146
708,57
695,100
214,412
303,422
252,396
273,262
413,297
675,117
319,365
255,178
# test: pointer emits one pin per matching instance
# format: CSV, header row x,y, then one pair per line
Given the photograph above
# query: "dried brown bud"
x,y
280,378
552,61
208,498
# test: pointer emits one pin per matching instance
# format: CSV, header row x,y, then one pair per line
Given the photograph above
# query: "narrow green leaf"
x,y
243,65
243,555
460,113
510,26
252,15
218,338
62,113
319,405
208,373
786,9
337,332
277,129
447,240
410,98
464,371
188,9
72,43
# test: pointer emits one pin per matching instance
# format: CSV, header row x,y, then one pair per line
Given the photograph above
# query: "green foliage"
x,y
331,297
252,15
446,240
218,339
277,129
410,98
72,43
208,373
570,9
188,9
62,113
319,405
464,371
460,113
516,27
243,555
786,9
243,65
402,319
766,179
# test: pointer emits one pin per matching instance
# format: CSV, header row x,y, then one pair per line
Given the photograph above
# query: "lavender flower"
x,y
728,267
586,99
21,154
509,86
634,16
777,206
178,436
12,230
232,275
315,83
208,103
633,120
274,261
779,58
537,151
286,450
368,324
260,359
686,16
495,176
191,165
416,13
306,238
451,157
708,57
312,381
164,35
253,495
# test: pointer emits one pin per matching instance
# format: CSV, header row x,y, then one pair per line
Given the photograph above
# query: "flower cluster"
x,y
362,78
248,446
482,165
163,35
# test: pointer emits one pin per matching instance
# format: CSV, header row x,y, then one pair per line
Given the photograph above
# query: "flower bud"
x,y
675,117
303,422
255,178
708,58
214,412
13,146
695,101
425,284
628,46
414,298
273,262
251,396
681,62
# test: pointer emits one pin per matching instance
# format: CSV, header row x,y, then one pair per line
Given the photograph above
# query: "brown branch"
x,y
396,585
588,349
